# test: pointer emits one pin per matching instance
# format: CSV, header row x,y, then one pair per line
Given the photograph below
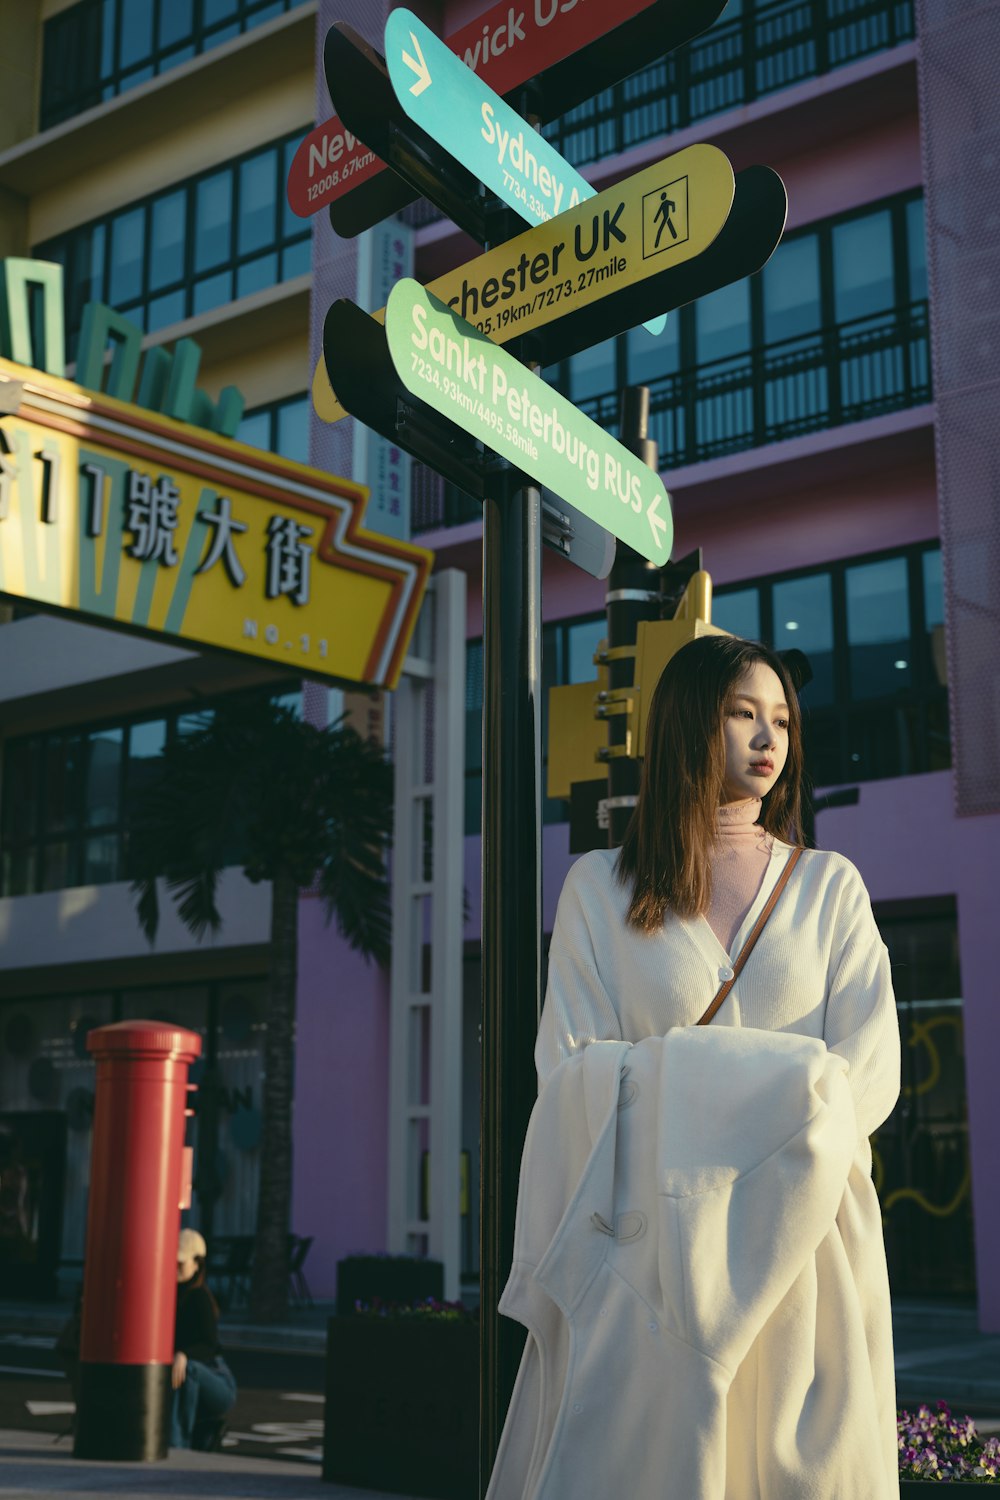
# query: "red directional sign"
x,y
505,46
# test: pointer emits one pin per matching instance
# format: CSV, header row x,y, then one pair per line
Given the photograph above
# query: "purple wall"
x,y
341,1099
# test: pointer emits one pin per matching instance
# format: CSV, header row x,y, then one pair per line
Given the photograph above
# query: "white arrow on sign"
x,y
655,521
421,69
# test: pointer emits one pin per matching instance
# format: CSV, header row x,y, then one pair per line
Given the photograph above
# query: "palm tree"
x,y
253,785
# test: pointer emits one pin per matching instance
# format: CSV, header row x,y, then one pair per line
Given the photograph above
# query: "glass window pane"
x,y
20,790
293,430
862,267
739,613
791,290
213,220
212,292
145,743
258,202
126,257
61,783
168,217
722,323
162,311
581,644
592,372
257,274
218,10
649,357
176,21
290,222
103,776
88,270
57,866
933,588
100,860
916,249
136,31
296,259
803,620
255,429
878,628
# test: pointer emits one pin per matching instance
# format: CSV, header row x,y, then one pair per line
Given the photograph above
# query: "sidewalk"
x,y
33,1466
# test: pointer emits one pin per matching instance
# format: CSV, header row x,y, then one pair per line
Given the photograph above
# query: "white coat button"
x,y
577,1407
653,1328
604,1312
725,974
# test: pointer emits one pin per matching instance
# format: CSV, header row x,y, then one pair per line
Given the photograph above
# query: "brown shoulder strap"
x,y
758,928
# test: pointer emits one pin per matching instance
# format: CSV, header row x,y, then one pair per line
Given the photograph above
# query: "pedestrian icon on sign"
x,y
664,218
666,208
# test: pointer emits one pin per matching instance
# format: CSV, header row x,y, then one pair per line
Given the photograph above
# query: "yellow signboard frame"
x,y
120,516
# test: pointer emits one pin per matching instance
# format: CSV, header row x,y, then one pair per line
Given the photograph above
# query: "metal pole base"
x,y
123,1412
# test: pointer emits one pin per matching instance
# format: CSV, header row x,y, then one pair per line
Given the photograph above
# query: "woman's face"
x,y
186,1268
756,734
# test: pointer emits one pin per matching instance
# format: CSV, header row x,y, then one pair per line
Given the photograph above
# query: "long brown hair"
x,y
665,855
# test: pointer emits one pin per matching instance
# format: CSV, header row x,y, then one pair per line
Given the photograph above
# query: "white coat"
x,y
760,1258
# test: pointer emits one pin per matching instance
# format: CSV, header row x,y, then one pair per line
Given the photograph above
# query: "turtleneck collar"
x,y
736,818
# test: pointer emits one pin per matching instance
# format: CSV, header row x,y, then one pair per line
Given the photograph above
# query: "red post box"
x,y
139,1176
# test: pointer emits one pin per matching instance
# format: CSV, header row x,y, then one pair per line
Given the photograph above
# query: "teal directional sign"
x,y
463,114
458,371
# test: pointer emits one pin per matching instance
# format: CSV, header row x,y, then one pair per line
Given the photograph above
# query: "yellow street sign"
x,y
660,217
121,516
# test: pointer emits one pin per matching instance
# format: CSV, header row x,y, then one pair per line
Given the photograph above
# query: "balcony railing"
x,y
769,47
854,370
842,374
738,60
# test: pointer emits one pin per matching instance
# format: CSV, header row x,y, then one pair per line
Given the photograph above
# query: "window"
x,y
65,795
99,48
281,427
755,48
195,246
921,1154
877,705
833,329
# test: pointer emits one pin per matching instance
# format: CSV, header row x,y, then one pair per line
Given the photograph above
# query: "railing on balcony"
x,y
841,374
738,60
854,370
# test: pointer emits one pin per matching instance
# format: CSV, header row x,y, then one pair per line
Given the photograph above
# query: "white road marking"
x,y
24,1370
50,1408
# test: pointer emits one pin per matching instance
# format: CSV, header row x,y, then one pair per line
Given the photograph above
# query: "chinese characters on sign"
x,y
198,539
152,519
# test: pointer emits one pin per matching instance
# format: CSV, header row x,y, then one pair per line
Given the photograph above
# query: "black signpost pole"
x,y
511,911
633,594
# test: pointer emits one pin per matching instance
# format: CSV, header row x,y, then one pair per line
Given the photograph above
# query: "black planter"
x,y
390,1278
402,1405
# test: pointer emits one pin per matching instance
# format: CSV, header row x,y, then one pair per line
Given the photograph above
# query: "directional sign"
x,y
472,122
363,97
508,45
474,125
450,366
638,231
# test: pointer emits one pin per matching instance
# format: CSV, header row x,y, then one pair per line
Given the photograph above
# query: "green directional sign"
x,y
654,221
452,367
478,128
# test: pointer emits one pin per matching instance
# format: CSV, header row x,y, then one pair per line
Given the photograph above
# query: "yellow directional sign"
x,y
135,521
660,217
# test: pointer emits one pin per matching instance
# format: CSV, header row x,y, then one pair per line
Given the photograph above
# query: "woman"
x,y
643,939
203,1384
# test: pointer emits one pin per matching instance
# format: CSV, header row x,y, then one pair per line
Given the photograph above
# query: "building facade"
x,y
795,416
